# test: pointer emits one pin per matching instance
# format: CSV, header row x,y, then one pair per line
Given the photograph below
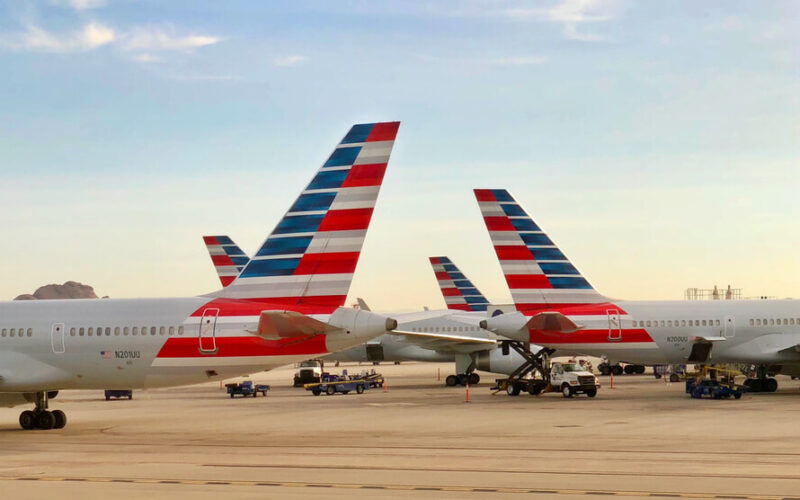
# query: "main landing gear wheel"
x,y
566,390
40,417
451,381
27,420
616,370
473,378
462,379
45,420
61,419
770,385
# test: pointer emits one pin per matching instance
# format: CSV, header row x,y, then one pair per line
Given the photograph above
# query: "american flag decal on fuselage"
x,y
459,293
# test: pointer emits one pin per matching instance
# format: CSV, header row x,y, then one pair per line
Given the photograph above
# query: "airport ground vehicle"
x,y
308,372
118,393
618,369
331,384
715,389
246,388
567,378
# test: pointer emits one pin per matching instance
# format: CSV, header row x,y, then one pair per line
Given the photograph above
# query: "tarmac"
x,y
642,439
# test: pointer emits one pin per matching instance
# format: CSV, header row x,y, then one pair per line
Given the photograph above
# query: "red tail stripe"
x,y
365,175
459,307
221,260
484,195
226,280
450,292
383,132
442,275
210,240
517,252
345,220
532,281
434,260
498,223
327,263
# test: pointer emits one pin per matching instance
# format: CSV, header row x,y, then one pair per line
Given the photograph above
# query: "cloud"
x,y
519,60
291,60
86,4
36,39
156,39
571,14
146,58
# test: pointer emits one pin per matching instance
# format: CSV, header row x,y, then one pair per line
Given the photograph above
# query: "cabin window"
x,y
12,332
152,330
704,322
634,323
752,322
647,323
663,323
90,331
125,330
758,322
161,330
791,321
691,323
785,322
4,332
108,331
669,323
683,322
116,331
72,332
717,322
135,330
180,330
771,321
81,331
172,330
30,332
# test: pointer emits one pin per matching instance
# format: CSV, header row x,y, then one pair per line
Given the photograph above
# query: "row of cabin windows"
x,y
16,332
773,321
677,323
436,329
124,330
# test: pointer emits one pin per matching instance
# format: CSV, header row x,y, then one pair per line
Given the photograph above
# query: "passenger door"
x,y
614,325
57,338
730,326
207,332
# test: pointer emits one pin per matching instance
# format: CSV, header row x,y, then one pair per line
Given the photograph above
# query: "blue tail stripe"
x,y
285,246
313,201
478,307
271,267
343,156
299,224
224,240
358,133
240,261
475,300
501,195
570,282
524,225
558,268
535,239
547,254
330,179
513,211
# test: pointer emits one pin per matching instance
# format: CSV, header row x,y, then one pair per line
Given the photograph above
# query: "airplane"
x,y
556,307
285,305
452,335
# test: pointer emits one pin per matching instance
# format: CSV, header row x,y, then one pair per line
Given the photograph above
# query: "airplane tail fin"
x,y
459,293
538,274
310,256
227,257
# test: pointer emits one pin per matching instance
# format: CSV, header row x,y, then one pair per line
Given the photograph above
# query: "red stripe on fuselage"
x,y
588,337
322,304
188,347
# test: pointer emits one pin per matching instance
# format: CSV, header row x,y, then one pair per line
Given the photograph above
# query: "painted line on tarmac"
x,y
398,487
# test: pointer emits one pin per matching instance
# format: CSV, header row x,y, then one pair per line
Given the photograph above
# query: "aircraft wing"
x,y
448,341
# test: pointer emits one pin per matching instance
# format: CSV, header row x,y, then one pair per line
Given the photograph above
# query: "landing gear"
x,y
41,417
462,379
762,381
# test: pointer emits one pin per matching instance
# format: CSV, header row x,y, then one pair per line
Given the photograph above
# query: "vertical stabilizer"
x,y
310,256
227,257
538,274
459,293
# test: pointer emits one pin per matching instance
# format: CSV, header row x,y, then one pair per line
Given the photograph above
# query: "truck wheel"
x,y
330,390
231,395
535,389
566,390
737,395
512,389
591,393
315,391
451,381
359,389
673,377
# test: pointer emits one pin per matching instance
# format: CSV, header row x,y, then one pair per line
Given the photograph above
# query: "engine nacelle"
x,y
11,399
495,361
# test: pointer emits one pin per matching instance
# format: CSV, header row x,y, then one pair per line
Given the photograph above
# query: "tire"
x,y
616,370
61,419
359,389
130,396
27,420
316,391
604,369
640,369
629,369
330,390
566,390
737,395
512,390
770,385
45,420
462,379
108,398
231,395
591,393
674,377
474,378
451,381
535,389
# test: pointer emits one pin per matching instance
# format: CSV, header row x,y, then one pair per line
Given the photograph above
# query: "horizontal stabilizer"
x,y
449,342
289,324
552,322
707,339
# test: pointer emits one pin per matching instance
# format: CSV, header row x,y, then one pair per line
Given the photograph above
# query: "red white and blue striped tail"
x,y
310,257
227,257
538,274
459,293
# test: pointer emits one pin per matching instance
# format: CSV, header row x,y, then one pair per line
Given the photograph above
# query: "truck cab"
x,y
308,372
571,379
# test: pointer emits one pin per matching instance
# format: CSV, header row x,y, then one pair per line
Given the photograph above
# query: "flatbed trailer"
x,y
331,384
246,388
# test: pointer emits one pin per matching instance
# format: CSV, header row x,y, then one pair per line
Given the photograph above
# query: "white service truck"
x,y
567,378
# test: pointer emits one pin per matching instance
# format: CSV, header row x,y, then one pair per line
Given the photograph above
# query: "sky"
x,y
657,143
